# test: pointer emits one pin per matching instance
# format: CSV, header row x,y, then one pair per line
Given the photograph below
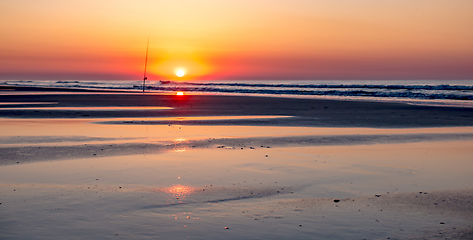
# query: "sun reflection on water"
x,y
180,191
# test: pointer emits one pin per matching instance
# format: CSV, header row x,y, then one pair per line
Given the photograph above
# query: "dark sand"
x,y
306,112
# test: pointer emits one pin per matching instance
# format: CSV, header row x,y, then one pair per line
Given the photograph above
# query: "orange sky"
x,y
237,39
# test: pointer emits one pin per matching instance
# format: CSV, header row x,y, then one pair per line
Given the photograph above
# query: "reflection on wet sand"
x,y
155,120
144,108
26,103
179,192
85,128
276,180
245,190
30,149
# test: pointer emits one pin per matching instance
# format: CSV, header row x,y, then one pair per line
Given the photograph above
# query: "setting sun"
x,y
180,73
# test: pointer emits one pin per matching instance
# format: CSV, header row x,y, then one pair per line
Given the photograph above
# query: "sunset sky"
x,y
236,39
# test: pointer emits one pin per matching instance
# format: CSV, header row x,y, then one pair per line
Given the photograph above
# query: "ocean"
x,y
424,92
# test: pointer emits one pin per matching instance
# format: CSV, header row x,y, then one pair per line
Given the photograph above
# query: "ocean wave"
x,y
368,86
347,93
67,82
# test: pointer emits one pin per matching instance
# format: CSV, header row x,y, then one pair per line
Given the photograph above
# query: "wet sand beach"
x,y
110,165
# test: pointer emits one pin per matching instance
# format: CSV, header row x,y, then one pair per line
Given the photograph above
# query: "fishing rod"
x,y
146,63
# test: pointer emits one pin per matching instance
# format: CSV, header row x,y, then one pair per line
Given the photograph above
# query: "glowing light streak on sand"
x,y
217,118
91,108
26,103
